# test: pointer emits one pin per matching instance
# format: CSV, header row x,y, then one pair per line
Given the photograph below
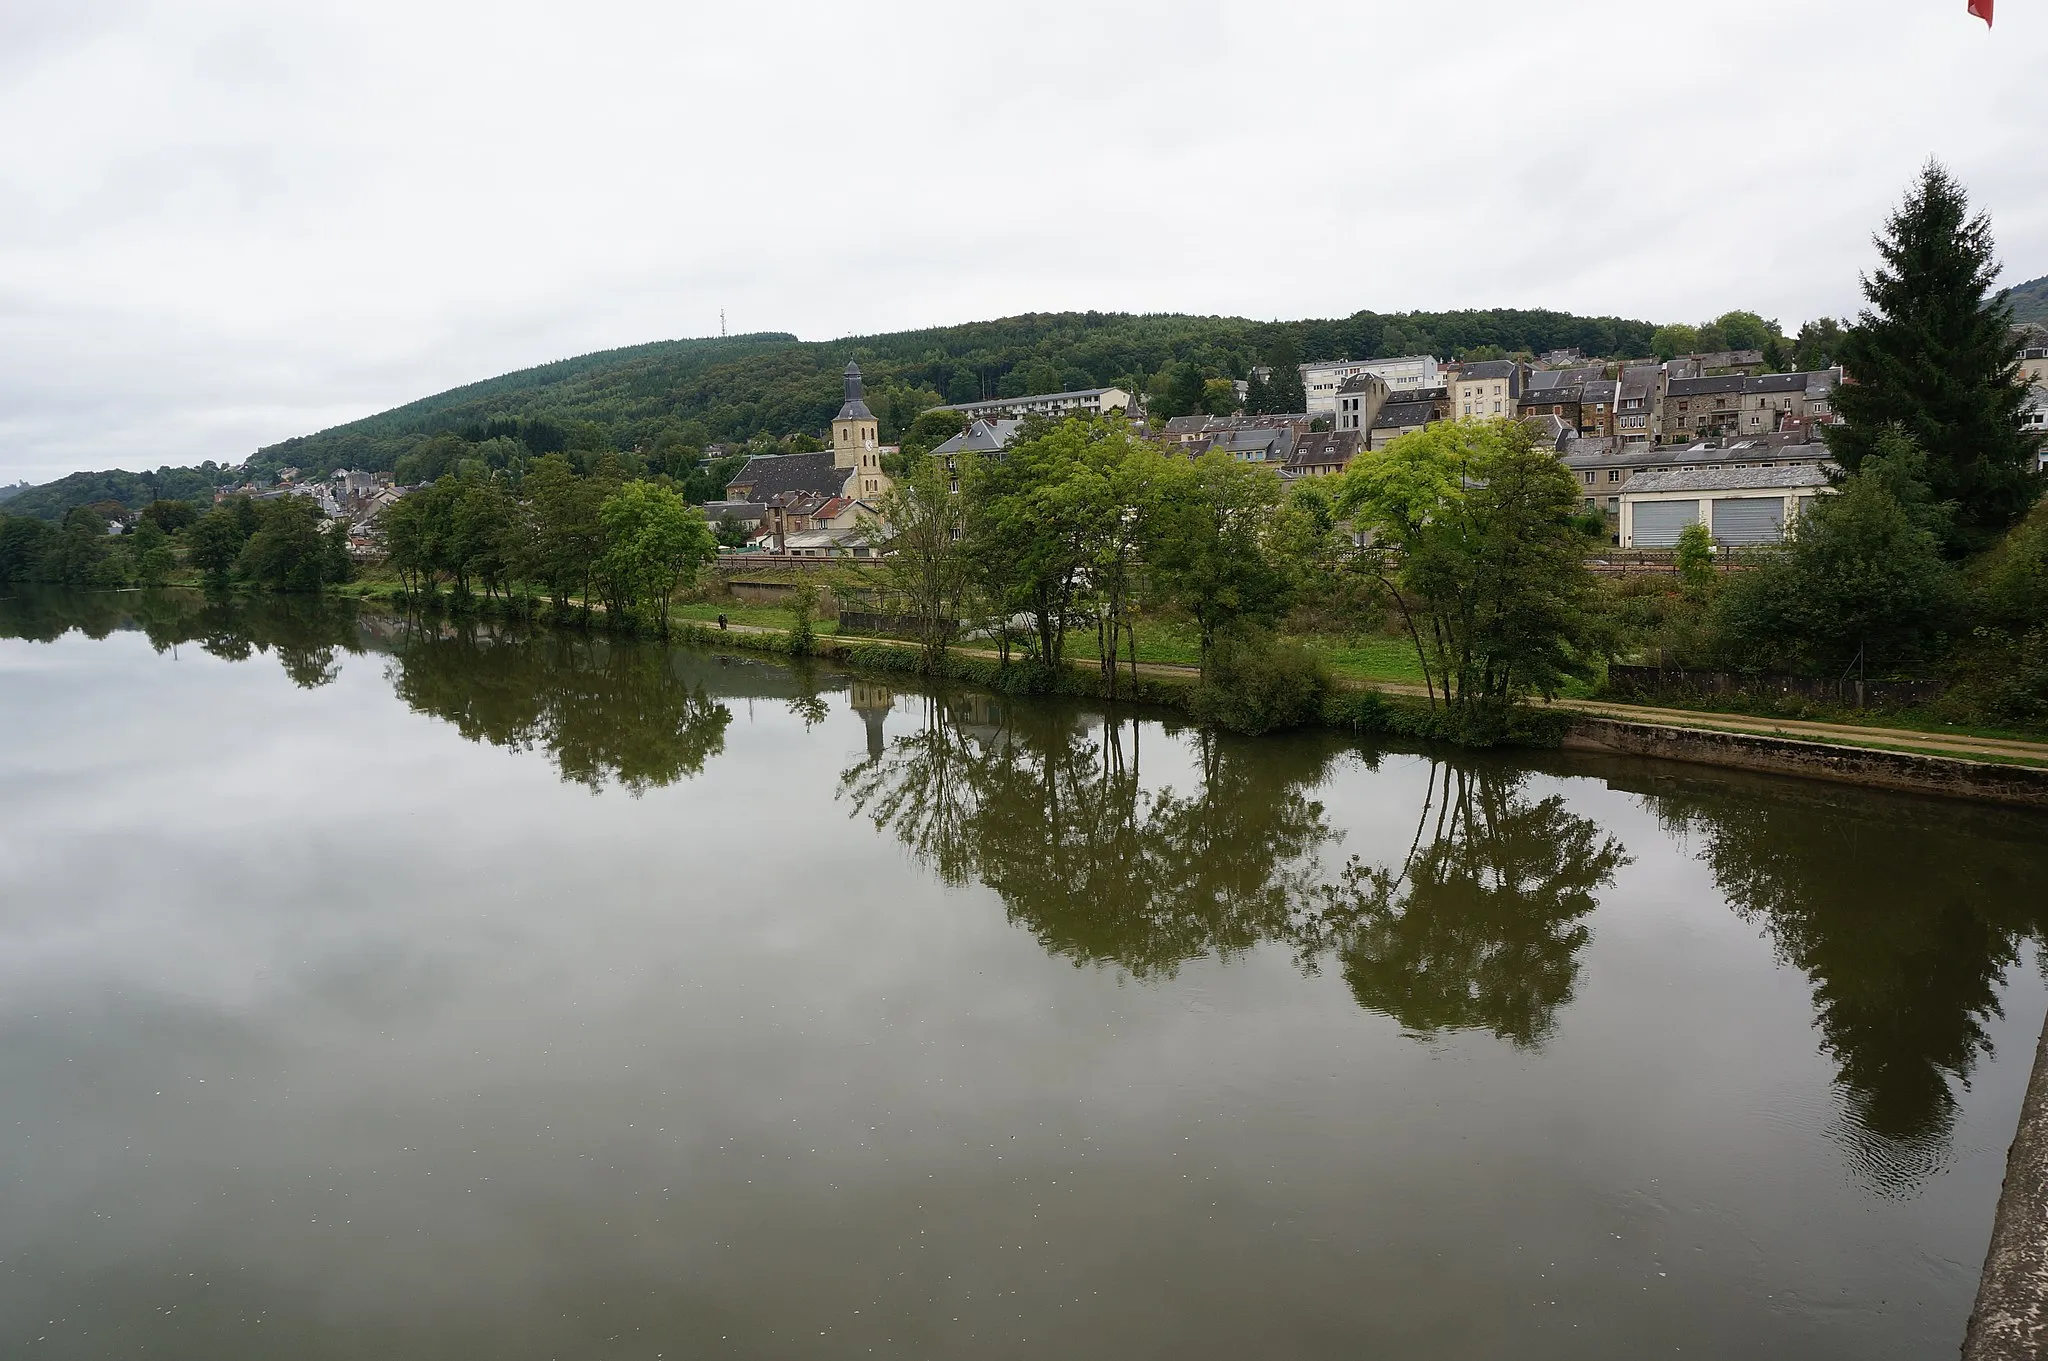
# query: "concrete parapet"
x,y
2010,1319
2023,785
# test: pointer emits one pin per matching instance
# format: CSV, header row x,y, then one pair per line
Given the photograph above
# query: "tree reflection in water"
x,y
1906,938
1480,927
606,713
306,634
1906,944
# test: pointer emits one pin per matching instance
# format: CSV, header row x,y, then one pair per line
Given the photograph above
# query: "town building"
x,y
856,444
1402,375
980,437
2034,366
749,515
1359,399
1486,388
1718,363
2034,419
1739,506
1598,400
1734,404
1639,403
1086,401
766,475
1575,376
1604,468
1697,408
1324,453
1247,444
1565,403
1189,429
852,467
1400,418
810,525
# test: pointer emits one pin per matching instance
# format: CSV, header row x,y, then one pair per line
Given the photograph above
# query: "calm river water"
x,y
370,991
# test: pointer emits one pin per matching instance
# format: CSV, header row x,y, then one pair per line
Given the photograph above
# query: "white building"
x,y
1409,373
1094,401
2034,420
1737,505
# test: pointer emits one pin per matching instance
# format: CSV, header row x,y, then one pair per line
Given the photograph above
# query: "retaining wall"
x,y
1670,683
2023,785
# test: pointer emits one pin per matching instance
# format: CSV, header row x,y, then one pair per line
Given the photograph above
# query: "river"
x,y
372,989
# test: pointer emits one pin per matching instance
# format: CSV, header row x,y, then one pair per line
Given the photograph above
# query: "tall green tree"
x,y
924,567
1285,393
1862,578
1473,537
1677,338
22,543
1818,346
1934,354
653,542
215,542
566,535
1211,548
288,551
1031,517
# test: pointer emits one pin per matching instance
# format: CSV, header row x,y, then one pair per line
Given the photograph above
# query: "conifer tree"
x,y
1284,392
1257,400
1935,355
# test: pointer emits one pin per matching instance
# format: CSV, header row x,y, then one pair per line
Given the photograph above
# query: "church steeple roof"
x,y
856,408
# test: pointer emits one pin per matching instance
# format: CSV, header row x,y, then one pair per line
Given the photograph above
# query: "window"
x,y
1614,474
1589,479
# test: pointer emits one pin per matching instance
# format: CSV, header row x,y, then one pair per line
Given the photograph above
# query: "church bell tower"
x,y
854,430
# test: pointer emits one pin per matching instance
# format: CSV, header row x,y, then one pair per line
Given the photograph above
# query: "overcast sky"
x,y
225,222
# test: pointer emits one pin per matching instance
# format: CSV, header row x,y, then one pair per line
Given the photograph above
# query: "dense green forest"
x,y
129,491
676,396
2029,300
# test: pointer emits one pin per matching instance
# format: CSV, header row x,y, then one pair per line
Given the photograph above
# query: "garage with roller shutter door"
x,y
1749,519
1658,523
1739,505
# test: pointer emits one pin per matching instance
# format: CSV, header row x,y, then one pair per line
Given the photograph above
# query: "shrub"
x,y
1255,683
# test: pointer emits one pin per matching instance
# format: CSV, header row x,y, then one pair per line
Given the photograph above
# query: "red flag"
x,y
1982,9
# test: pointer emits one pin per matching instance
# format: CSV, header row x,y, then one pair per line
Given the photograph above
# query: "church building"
x,y
856,444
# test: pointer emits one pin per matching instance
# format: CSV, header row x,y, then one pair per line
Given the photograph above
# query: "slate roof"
x,y
1600,390
1705,387
1325,448
1487,369
767,474
980,437
1560,378
1399,415
1727,479
1550,429
1078,393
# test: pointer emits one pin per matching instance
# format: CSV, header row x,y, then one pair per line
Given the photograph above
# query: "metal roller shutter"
x,y
1657,523
1750,519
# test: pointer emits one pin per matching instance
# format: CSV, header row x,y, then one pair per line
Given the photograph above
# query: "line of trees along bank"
x,y
569,536
1083,526
284,544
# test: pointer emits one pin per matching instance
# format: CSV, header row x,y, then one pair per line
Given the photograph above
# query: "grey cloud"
x,y
225,222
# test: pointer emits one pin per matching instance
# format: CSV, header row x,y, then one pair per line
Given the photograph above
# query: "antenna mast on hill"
x,y
721,323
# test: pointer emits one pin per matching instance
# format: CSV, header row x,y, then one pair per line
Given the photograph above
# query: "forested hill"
x,y
2029,300
672,396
